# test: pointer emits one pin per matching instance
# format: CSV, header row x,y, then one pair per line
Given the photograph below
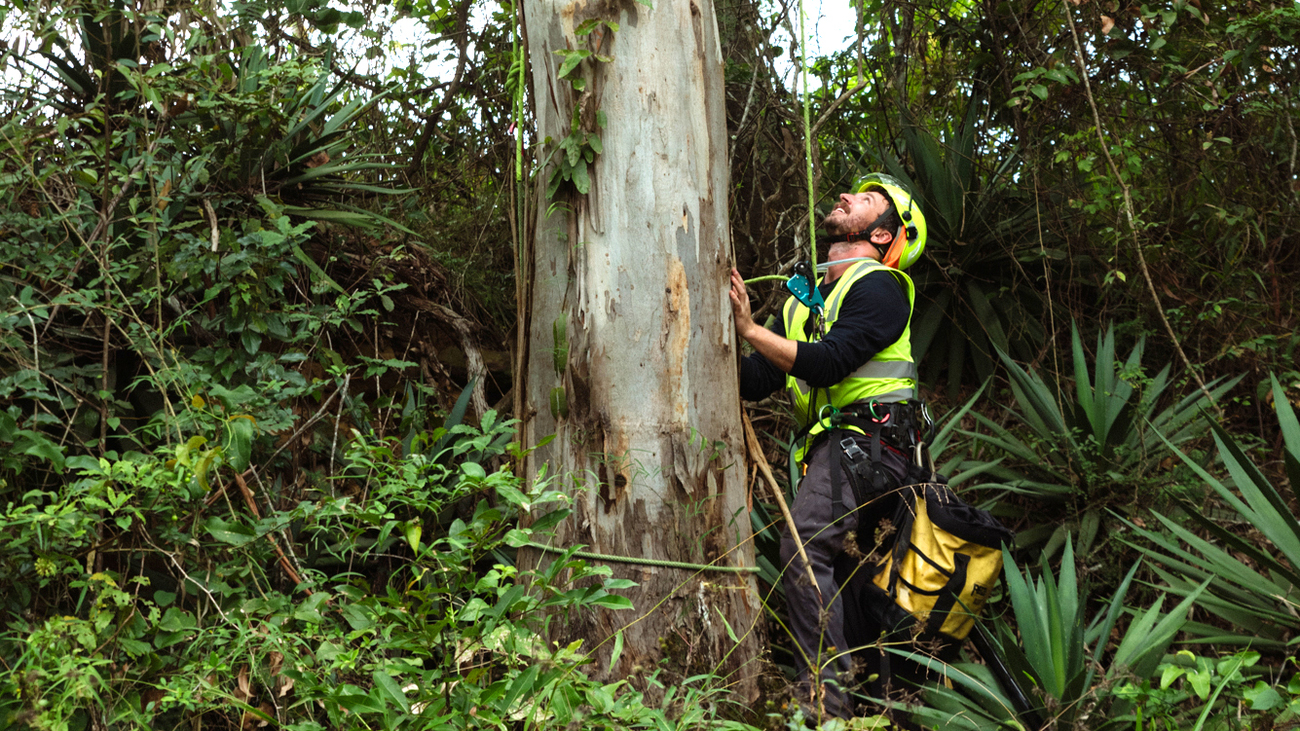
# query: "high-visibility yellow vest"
x,y
889,376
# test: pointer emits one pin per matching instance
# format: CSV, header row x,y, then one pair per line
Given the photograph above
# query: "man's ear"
x,y
882,237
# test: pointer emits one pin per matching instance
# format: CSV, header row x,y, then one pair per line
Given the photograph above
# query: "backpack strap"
x,y
837,466
948,594
903,519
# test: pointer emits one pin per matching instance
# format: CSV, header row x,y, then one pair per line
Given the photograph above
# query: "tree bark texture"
x,y
631,358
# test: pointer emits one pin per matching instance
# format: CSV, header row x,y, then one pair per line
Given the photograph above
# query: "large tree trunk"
x,y
632,278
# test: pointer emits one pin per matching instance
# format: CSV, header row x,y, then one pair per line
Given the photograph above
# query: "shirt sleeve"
x,y
873,315
759,378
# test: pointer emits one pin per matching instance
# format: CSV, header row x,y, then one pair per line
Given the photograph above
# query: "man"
x,y
852,382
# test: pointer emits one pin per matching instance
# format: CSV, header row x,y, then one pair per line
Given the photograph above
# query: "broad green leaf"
x,y
411,531
236,534
580,179
177,620
612,601
601,699
1200,682
240,433
1262,697
571,60
472,610
522,686
309,609
184,450
551,519
617,651
40,446
355,700
389,687
204,464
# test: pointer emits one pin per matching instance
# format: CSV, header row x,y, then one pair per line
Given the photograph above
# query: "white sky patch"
x,y
831,27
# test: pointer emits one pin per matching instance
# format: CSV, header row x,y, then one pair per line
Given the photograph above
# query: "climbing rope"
x,y
646,561
807,152
807,134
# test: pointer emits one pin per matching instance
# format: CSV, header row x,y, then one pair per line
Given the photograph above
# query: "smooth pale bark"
x,y
637,270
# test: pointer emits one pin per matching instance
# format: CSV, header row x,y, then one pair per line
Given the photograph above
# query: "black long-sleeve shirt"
x,y
872,316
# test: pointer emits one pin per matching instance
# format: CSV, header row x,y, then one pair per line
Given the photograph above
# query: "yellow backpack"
x,y
946,557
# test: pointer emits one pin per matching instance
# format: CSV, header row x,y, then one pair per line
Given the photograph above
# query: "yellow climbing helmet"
x,y
909,241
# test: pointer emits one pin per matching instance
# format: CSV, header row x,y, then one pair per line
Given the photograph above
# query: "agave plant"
x,y
972,300
1099,438
1254,585
1059,675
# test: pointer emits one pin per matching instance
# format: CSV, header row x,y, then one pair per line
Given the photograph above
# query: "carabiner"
x,y
871,406
821,413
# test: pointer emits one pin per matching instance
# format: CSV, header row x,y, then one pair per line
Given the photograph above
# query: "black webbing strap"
x,y
948,594
879,482
853,461
836,467
903,519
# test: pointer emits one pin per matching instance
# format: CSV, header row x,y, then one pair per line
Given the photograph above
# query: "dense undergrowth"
x,y
175,589
164,591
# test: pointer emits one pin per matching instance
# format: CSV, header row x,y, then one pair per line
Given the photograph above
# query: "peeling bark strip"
x,y
651,443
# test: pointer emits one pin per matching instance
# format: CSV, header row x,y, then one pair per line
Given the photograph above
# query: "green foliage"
x,y
406,611
156,239
1252,581
577,152
1203,693
1061,659
1096,444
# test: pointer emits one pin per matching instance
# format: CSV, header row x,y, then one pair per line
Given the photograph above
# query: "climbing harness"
x,y
903,427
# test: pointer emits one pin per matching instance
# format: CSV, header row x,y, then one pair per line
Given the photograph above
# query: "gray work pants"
x,y
819,624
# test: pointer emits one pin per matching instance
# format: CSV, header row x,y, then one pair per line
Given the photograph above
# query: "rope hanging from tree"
x,y
807,136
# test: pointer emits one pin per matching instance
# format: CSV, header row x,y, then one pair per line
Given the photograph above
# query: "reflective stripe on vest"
x,y
877,369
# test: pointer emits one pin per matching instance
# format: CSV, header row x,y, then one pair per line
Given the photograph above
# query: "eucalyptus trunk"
x,y
630,358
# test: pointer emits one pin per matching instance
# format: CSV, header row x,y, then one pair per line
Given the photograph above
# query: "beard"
x,y
835,228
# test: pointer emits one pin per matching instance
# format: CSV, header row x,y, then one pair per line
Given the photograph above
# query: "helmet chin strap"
x,y
856,237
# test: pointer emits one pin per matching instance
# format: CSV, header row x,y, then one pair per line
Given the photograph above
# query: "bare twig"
x,y
216,604
334,447
284,560
212,223
757,453
475,366
36,345
749,100
836,105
